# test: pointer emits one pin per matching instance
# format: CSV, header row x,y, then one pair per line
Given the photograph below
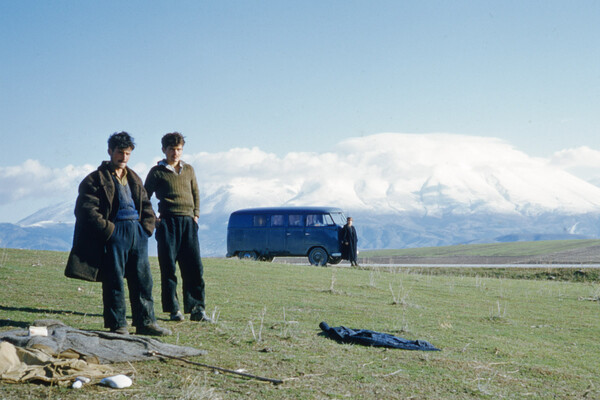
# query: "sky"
x,y
287,77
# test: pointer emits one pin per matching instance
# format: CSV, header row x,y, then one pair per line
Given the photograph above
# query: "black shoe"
x,y
176,316
152,330
200,316
122,330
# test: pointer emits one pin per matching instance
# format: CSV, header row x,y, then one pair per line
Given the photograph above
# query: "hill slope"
x,y
542,252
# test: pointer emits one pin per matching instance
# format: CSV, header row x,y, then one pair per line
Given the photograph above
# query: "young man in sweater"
x,y
174,183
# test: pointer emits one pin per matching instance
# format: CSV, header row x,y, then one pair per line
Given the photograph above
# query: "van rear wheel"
x,y
317,256
247,255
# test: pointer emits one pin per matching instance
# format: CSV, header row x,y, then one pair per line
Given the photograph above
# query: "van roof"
x,y
284,210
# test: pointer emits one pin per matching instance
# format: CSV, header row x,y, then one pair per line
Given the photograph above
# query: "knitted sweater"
x,y
177,194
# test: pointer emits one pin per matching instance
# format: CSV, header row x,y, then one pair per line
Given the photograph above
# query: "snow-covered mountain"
x,y
60,213
394,173
403,190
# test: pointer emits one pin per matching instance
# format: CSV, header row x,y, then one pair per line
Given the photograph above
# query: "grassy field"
x,y
500,337
488,250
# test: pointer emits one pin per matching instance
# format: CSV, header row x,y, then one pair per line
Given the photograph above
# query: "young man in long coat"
x,y
114,219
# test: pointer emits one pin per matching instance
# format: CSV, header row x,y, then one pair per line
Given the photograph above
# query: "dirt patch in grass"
x,y
591,275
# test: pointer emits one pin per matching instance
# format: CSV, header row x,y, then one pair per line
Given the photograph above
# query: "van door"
x,y
321,231
277,235
295,235
255,238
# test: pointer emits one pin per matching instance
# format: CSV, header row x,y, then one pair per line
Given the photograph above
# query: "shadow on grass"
x,y
43,311
16,324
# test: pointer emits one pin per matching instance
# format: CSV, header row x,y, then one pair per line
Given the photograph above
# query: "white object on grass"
x,y
38,331
80,381
117,381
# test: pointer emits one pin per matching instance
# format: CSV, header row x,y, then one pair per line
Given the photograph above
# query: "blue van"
x,y
265,233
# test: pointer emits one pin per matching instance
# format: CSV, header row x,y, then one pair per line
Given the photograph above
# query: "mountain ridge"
x,y
403,190
376,231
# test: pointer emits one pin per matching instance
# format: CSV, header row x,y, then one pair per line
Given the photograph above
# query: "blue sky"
x,y
293,75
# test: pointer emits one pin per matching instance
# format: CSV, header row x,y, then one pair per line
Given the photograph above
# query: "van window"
x,y
260,220
339,218
295,220
314,220
328,220
277,220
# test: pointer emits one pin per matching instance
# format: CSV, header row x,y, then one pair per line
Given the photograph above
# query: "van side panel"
x,y
277,241
241,234
257,238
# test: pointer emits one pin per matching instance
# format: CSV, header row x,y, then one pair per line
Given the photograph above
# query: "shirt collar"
x,y
123,179
170,167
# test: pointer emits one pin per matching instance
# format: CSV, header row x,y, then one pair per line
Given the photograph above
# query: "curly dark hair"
x,y
172,139
120,140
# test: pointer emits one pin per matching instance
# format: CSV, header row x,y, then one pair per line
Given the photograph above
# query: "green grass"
x,y
487,250
500,337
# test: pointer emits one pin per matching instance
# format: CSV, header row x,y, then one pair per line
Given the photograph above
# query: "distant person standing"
x,y
176,188
114,219
349,242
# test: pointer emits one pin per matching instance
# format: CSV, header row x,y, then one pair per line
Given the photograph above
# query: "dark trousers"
x,y
349,252
177,242
127,257
352,253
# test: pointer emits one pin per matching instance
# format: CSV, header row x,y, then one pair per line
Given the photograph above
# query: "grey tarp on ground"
x,y
372,338
106,347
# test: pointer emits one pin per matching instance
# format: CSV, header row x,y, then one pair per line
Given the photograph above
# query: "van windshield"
x,y
339,218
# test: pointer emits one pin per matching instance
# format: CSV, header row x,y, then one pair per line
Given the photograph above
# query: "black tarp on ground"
x,y
372,338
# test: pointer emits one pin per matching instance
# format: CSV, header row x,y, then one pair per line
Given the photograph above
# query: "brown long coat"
x,y
95,211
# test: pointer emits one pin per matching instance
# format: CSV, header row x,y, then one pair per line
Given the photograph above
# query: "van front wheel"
x,y
335,260
247,255
317,256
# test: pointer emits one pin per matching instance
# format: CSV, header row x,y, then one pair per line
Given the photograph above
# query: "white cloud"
x,y
425,173
34,180
428,173
581,161
577,157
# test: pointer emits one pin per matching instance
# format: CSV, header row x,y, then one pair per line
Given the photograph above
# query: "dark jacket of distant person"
x,y
349,240
95,211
